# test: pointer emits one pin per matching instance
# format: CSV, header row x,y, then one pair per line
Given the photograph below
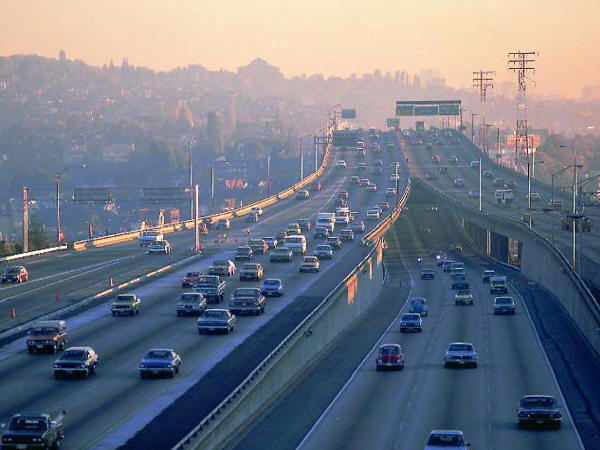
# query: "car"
x,y
372,187
76,361
431,208
222,268
487,274
419,305
539,410
251,272
373,214
271,241
504,305
272,287
555,204
243,253
456,247
334,241
436,159
459,182
355,179
258,246
159,362
473,194
159,248
150,237
129,304
362,166
190,278
410,322
431,176
302,195
293,229
347,235
443,169
216,320
249,301
212,287
15,274
191,303
474,164
364,182
304,224
281,254
390,192
394,177
463,297
447,265
252,217
358,226
535,197
257,210
499,182
320,233
385,206
281,237
512,185
459,281
498,285
309,263
315,187
446,439
488,174
223,224
461,354
33,431
47,335
202,228
390,356
342,218
341,164
427,274
323,251
453,159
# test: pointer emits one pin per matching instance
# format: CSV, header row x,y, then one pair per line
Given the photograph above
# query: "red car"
x,y
190,279
315,186
435,158
15,274
390,356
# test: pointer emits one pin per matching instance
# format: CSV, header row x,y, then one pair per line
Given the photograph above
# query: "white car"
x,y
341,164
372,187
373,214
462,354
390,192
474,194
446,439
343,219
257,209
160,247
535,197
459,182
474,164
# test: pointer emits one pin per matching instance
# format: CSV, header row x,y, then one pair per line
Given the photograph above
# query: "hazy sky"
x,y
334,37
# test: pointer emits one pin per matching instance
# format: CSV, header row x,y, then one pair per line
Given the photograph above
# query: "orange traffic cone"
x,y
58,296
13,314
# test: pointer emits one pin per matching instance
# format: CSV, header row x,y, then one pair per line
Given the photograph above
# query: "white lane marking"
x,y
537,338
360,365
100,266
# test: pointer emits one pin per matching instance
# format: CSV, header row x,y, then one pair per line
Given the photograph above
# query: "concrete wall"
x,y
335,314
540,262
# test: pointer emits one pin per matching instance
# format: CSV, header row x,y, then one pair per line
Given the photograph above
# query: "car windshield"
x,y
13,270
446,440
27,424
43,331
125,298
159,354
221,263
192,274
389,350
323,247
458,277
464,292
239,250
310,259
504,300
460,348
538,402
74,354
272,282
410,316
212,314
190,297
418,301
251,266
245,292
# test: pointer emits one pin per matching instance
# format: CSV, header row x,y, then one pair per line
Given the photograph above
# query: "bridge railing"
x,y
188,224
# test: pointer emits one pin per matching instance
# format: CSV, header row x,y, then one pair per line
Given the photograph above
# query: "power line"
x,y
483,80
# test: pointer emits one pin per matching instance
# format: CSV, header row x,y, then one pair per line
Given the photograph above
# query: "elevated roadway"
x,y
108,409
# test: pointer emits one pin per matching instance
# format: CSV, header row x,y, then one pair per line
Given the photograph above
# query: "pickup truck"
x,y
47,335
150,237
33,431
212,287
498,285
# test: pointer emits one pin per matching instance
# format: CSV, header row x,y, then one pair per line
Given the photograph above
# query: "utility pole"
x,y
25,219
473,126
301,160
191,178
268,175
522,63
480,193
196,220
58,208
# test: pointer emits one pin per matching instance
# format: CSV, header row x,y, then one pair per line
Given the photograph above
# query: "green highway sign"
x,y
345,138
428,108
348,113
393,123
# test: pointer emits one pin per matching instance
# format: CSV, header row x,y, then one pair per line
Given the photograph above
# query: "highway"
x,y
545,222
383,410
108,409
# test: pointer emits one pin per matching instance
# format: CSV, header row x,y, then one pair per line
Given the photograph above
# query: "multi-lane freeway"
x,y
108,409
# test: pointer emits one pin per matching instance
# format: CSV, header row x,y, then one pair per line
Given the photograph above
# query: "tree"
x,y
215,133
38,237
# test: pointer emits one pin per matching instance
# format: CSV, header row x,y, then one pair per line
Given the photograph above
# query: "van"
x,y
296,243
326,220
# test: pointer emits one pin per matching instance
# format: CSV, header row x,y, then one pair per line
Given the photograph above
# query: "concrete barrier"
x,y
541,262
336,312
34,253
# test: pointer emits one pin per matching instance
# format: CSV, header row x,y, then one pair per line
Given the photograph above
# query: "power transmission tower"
x,y
483,80
522,63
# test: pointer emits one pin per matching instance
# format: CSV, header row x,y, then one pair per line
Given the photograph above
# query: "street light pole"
x,y
191,178
473,126
479,196
574,224
268,175
301,160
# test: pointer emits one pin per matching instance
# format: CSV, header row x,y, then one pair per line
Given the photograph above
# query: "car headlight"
x,y
82,366
142,366
30,342
7,439
379,360
36,439
556,415
55,366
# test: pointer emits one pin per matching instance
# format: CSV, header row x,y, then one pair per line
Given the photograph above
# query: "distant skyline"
x,y
335,38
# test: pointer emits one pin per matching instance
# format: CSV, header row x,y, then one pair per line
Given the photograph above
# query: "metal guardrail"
x,y
270,359
578,282
130,235
34,253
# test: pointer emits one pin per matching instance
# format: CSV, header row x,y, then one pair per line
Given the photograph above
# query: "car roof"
x,y
457,432
461,343
79,348
161,350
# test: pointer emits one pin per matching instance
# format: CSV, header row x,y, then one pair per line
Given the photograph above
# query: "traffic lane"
x,y
101,337
482,402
